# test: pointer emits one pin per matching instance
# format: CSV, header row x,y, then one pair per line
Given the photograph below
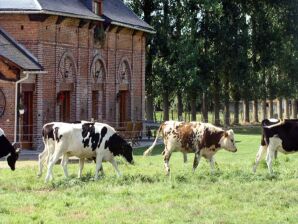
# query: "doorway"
x,y
65,106
123,98
27,127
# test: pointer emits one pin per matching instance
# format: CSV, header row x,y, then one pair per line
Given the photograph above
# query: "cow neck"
x,y
211,138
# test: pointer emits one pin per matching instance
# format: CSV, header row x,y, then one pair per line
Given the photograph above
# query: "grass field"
x,y
233,194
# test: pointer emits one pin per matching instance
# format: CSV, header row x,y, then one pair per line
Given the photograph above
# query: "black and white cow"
x,y
277,135
6,149
83,140
203,139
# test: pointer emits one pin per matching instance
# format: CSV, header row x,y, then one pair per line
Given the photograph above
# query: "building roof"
x,y
119,14
16,53
114,11
71,8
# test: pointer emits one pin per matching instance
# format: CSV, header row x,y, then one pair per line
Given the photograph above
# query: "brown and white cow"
x,y
203,139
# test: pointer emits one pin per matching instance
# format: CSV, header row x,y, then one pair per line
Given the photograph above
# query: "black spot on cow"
x,y
118,146
95,138
48,131
103,132
211,139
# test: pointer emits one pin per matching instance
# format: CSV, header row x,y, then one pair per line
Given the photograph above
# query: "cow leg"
x,y
99,158
212,161
261,151
52,162
41,159
196,161
64,162
81,161
270,156
184,157
167,156
114,163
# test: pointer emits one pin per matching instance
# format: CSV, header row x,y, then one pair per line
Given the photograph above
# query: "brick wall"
x,y
49,41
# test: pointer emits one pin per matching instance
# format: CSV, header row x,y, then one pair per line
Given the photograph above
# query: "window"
x,y
97,7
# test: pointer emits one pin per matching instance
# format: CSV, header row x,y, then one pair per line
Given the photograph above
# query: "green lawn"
x,y
233,194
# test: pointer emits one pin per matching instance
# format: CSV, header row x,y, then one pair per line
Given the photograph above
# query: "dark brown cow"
x,y
203,139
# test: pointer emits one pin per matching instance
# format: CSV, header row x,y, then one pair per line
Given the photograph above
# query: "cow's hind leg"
x,y
52,162
64,163
167,156
196,161
99,158
81,161
41,159
261,151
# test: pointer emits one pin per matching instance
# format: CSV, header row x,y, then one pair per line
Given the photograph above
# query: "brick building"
x,y
67,60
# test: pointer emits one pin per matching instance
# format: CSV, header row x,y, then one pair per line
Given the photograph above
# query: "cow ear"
x,y
226,134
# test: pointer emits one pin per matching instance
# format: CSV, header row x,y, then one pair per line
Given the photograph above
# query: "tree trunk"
x,y
294,109
264,110
287,109
279,108
270,108
149,107
179,106
204,108
246,110
227,112
216,108
165,98
193,108
255,111
236,112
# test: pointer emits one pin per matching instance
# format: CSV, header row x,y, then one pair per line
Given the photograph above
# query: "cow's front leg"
x,y
99,158
196,161
270,156
184,157
261,151
41,160
212,161
114,163
82,162
64,162
167,156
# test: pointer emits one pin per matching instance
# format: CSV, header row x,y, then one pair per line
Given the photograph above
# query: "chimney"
x,y
97,7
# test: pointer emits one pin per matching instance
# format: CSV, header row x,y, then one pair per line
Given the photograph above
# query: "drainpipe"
x,y
16,106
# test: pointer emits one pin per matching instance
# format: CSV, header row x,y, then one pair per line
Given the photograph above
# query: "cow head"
x,y
13,157
127,152
227,141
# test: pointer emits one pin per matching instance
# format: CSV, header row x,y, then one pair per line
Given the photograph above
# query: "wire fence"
x,y
130,130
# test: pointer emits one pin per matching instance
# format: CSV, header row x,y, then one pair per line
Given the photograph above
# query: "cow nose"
x,y
132,162
235,150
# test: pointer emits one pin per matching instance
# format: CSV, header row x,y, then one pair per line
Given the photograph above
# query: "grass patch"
x,y
143,194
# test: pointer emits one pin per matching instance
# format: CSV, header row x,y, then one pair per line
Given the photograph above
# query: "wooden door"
x,y
123,107
65,107
27,127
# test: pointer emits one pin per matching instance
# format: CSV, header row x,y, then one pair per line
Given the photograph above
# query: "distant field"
x,y
233,194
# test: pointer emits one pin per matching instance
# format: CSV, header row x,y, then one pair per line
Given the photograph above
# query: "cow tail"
x,y
149,150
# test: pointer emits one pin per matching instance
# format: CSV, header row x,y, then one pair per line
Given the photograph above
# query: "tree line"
x,y
207,54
